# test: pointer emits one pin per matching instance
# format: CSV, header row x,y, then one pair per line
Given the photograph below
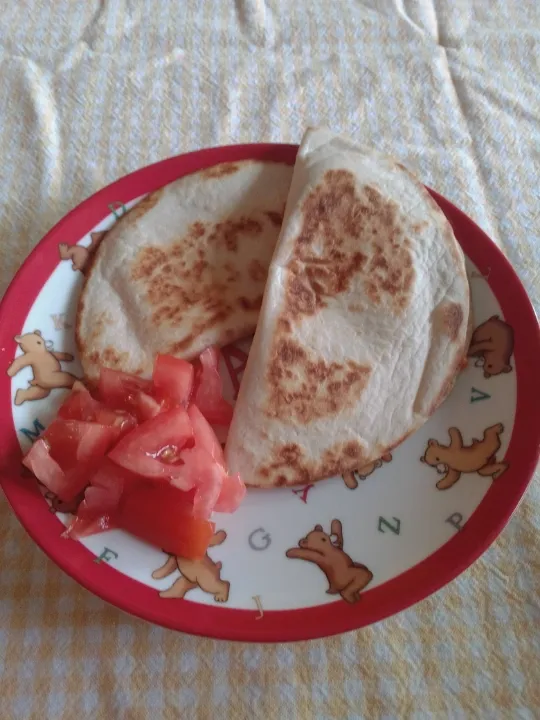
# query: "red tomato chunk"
x,y
142,457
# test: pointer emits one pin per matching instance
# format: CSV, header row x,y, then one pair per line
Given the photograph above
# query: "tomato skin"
x,y
232,493
83,527
146,407
140,450
105,489
207,395
161,515
67,454
46,469
204,436
80,405
118,390
173,378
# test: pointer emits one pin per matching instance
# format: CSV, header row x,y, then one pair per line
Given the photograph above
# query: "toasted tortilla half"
x,y
364,323
184,269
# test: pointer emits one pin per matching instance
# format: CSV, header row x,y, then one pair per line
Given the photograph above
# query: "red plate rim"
x,y
383,601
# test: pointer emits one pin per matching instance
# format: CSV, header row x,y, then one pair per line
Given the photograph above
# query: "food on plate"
x,y
365,321
182,270
142,455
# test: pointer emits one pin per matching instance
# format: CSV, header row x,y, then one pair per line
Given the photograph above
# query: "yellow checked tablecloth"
x,y
92,90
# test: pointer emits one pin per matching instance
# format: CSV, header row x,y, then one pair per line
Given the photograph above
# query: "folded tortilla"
x,y
364,323
184,269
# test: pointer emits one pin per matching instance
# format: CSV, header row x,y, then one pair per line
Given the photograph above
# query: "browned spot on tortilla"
x,y
221,170
284,325
274,217
257,271
248,304
288,464
228,231
303,387
111,358
183,278
344,225
355,308
181,345
148,260
450,315
197,229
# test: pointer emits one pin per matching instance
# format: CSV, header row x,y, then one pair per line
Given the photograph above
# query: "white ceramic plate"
x,y
397,520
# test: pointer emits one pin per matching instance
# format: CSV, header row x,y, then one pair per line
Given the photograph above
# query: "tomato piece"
x,y
173,378
104,491
101,499
120,420
201,472
80,405
82,527
162,515
152,447
232,493
207,395
117,389
67,454
47,470
204,436
146,407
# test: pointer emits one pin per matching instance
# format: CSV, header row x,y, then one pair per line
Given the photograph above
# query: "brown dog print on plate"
x,y
79,254
45,364
456,458
203,573
493,344
345,577
350,477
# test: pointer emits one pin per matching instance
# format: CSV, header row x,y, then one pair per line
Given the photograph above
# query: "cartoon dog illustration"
x,y
203,573
493,344
79,255
349,478
48,373
344,576
454,459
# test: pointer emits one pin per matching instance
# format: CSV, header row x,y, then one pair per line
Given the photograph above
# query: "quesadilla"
x,y
364,323
184,269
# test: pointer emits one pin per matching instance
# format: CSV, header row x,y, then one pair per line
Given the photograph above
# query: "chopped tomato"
x,y
146,407
207,395
137,459
67,454
73,442
80,405
82,527
101,500
152,448
198,470
118,389
232,493
173,378
162,515
47,470
204,436
105,489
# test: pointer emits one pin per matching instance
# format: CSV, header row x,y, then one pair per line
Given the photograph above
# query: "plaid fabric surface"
x,y
93,90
